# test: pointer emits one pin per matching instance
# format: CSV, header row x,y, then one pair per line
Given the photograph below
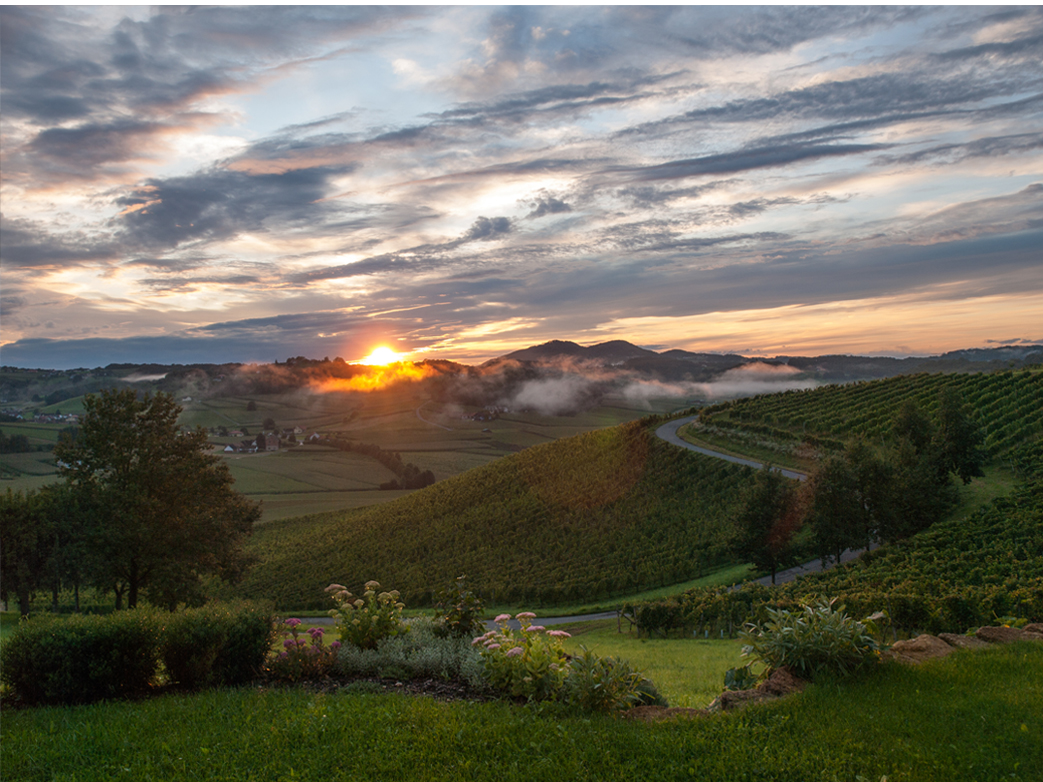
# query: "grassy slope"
x,y
608,512
973,716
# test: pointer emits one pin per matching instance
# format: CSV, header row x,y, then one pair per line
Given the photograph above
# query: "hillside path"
x,y
668,432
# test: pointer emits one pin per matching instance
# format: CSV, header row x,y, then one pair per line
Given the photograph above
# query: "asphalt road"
x,y
668,432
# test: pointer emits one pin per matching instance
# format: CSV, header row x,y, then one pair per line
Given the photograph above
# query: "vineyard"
x,y
601,514
958,574
1009,407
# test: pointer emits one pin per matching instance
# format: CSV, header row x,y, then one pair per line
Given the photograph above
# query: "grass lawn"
x,y
687,672
972,716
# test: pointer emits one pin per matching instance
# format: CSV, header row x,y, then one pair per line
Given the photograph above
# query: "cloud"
x,y
485,228
218,203
745,160
548,205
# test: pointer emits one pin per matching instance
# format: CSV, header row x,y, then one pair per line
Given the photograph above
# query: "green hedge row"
x,y
80,659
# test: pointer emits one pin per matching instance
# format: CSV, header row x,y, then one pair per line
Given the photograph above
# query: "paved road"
x,y
668,432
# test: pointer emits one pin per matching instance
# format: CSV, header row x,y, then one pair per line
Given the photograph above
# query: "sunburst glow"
x,y
381,357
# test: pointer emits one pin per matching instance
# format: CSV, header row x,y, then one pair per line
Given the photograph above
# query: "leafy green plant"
x,y
595,683
421,652
813,639
300,659
459,610
528,663
365,620
742,678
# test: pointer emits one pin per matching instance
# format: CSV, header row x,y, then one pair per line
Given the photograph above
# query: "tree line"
x,y
142,510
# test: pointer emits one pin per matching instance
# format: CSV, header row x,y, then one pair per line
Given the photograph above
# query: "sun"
x,y
381,357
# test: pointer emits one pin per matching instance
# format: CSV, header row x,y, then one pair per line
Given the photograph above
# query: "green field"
x,y
314,480
972,716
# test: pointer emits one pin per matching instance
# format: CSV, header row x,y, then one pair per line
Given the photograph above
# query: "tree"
x,y
834,512
23,547
161,510
959,437
767,521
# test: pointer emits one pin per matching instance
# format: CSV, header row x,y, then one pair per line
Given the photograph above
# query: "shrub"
x,y
529,663
603,684
217,644
813,639
422,652
80,659
250,630
459,609
365,620
300,660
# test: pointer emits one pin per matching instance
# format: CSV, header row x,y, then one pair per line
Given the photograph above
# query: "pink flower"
x,y
504,617
517,651
478,640
527,615
292,622
535,628
559,634
492,647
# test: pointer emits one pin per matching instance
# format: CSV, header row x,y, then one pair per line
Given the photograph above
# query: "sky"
x,y
220,184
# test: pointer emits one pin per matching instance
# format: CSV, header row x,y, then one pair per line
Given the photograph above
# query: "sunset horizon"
x,y
242,185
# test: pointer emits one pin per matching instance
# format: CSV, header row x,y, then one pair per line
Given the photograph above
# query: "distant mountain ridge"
x,y
676,364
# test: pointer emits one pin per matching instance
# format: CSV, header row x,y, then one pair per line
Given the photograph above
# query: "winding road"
x,y
668,432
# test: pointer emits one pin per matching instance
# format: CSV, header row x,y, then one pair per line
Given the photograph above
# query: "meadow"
x,y
303,480
972,716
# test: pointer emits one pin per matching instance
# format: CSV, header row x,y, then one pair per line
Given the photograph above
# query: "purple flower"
x,y
335,645
289,642
292,622
517,651
316,632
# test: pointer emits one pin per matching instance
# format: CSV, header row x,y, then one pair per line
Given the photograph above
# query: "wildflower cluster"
x,y
300,659
527,663
363,621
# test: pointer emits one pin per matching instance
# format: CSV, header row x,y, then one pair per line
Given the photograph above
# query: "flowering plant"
x,y
365,620
528,662
299,659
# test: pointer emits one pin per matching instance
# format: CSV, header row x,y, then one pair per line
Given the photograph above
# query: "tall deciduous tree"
x,y
767,521
959,437
163,512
